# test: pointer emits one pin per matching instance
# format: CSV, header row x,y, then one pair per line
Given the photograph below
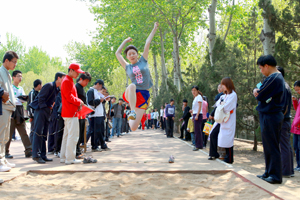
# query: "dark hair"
x,y
100,81
59,74
130,47
229,84
297,83
84,76
267,60
114,98
103,88
37,82
281,70
205,98
171,100
197,88
14,74
185,101
9,55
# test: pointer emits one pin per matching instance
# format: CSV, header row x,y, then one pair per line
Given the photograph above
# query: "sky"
x,y
47,24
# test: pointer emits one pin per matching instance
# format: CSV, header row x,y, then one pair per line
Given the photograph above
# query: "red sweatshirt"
x,y
70,100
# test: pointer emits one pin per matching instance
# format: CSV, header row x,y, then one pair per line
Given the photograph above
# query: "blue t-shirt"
x,y
139,74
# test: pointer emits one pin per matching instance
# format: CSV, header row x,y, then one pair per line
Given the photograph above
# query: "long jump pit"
x,y
133,185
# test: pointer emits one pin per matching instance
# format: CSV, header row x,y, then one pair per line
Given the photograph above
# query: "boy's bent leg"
x,y
134,124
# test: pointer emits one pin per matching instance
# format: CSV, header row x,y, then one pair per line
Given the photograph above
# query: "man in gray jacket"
x,y
9,63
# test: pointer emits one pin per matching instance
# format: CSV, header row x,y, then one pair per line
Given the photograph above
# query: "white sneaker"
x,y
1,181
4,168
62,160
11,165
75,161
58,154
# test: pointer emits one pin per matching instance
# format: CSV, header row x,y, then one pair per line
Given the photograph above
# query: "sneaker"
x,y
51,153
96,150
62,160
28,155
297,169
11,165
8,156
4,168
132,115
58,154
106,149
75,161
1,181
171,159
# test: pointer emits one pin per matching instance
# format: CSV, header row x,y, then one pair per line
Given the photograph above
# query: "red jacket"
x,y
70,100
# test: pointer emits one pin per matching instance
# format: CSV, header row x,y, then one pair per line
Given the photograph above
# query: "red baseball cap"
x,y
76,68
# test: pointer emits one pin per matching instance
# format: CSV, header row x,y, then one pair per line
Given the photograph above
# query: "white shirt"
x,y
162,112
196,101
18,91
99,111
155,115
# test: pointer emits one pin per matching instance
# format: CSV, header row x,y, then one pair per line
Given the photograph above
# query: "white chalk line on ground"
x,y
218,160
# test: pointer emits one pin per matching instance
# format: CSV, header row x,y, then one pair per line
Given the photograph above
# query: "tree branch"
x,y
167,19
229,23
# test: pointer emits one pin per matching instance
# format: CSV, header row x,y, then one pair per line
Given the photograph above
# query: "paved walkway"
x,y
139,151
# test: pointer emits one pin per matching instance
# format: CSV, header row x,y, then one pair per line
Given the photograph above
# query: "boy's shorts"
x,y
142,99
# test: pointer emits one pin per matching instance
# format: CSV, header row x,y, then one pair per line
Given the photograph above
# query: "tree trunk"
x,y
176,59
155,88
212,28
162,56
267,35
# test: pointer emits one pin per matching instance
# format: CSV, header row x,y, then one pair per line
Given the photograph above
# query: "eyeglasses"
x,y
15,62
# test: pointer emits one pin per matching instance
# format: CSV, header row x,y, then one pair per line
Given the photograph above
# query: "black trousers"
x,y
155,123
81,136
59,134
270,125
287,156
165,125
99,133
149,123
213,150
183,129
229,155
170,126
51,136
162,124
205,137
41,127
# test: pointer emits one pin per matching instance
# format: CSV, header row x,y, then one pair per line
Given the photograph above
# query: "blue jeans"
x,y
297,148
193,138
117,125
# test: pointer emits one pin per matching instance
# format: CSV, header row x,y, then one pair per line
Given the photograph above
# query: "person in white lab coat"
x,y
227,129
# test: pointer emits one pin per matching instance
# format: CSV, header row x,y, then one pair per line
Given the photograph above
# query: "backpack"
x,y
220,115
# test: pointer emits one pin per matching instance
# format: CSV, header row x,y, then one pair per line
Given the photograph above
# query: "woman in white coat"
x,y
227,128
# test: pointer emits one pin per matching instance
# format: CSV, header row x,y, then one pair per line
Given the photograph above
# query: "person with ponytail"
x,y
197,117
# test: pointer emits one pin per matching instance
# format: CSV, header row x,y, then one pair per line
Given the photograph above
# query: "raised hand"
x,y
129,39
156,25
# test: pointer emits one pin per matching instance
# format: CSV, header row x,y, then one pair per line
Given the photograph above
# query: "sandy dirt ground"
x,y
131,186
144,150
254,162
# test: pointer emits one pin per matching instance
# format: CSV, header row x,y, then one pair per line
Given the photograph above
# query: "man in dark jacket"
x,y
185,118
42,105
82,82
37,84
